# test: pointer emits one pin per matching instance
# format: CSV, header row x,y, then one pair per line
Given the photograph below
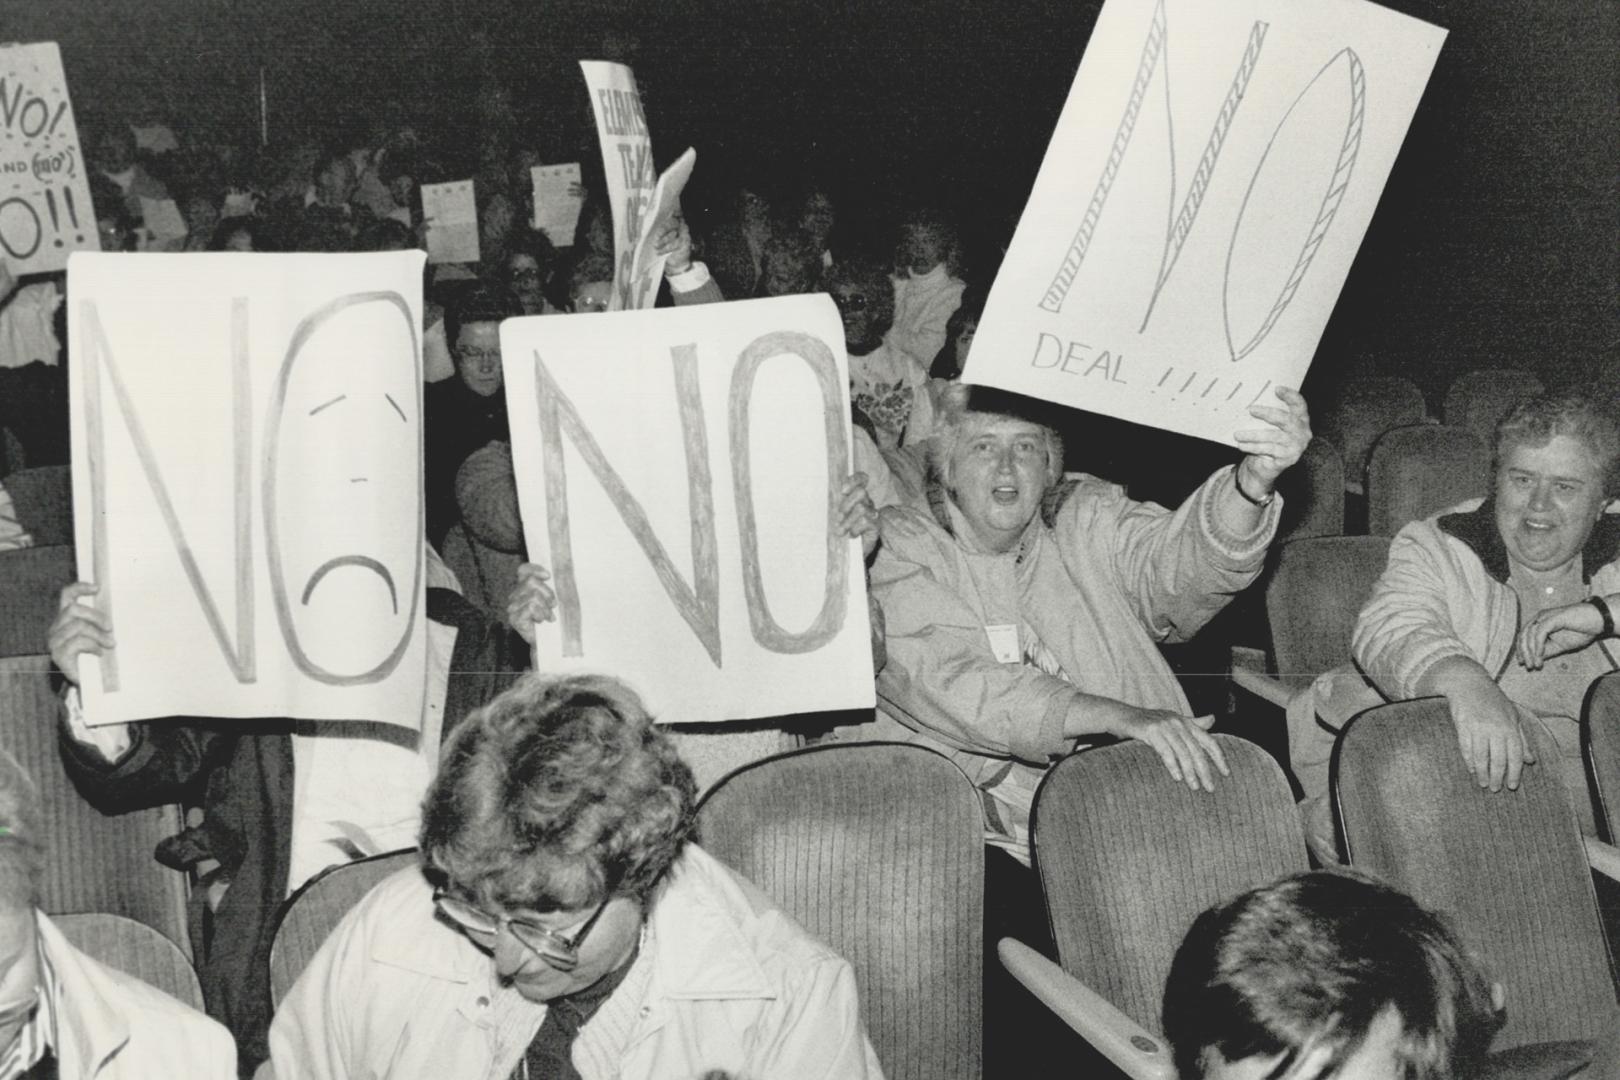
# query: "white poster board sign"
x,y
556,202
45,210
451,213
1203,196
627,162
677,471
247,448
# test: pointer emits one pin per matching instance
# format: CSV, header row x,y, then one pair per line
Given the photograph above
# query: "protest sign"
x,y
247,483
1203,196
677,471
556,204
45,210
628,162
451,213
663,206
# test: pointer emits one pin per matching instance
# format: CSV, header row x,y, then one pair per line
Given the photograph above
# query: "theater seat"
x,y
135,949
94,862
1364,409
1476,400
1509,867
308,917
1600,743
1128,857
876,849
1422,469
44,501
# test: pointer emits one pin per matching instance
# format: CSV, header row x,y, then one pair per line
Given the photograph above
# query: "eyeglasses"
x,y
590,304
561,952
850,301
528,273
479,356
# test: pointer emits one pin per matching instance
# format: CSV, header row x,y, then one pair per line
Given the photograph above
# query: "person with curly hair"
x,y
563,924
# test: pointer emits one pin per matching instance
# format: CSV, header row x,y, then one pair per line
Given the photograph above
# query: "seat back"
x,y
1365,409
1313,494
135,949
94,862
44,500
1476,400
877,850
1420,470
1128,857
1600,742
308,917
1313,598
1508,867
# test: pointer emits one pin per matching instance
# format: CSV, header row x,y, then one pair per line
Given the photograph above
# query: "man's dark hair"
x,y
1310,962
480,303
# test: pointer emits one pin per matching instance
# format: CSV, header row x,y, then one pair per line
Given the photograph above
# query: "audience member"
x,y
927,286
563,924
886,384
467,412
736,248
64,1014
1024,614
530,260
959,331
1327,974
1503,606
790,264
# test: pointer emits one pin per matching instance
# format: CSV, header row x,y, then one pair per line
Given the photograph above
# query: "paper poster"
x,y
451,214
664,205
677,471
45,209
1203,196
556,206
162,219
628,162
247,448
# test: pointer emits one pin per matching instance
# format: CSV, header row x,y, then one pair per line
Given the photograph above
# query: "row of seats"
x,y
874,848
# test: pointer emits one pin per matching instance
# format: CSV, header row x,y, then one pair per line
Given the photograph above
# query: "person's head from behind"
x,y
239,234
557,812
472,329
111,145
789,264
1557,466
996,459
861,288
587,282
21,863
1327,975
335,177
817,214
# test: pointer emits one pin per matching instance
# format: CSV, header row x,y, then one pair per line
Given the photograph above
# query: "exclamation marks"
x,y
56,216
73,215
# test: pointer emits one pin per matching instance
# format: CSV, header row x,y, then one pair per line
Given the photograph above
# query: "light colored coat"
x,y
724,980
1091,595
113,1026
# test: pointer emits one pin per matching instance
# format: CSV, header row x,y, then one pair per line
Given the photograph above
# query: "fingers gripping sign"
x,y
1273,449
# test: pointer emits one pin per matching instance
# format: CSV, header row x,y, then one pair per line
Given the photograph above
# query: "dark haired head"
x,y
1306,966
480,303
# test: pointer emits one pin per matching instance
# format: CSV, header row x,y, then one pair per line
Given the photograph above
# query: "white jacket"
x,y
112,1026
724,980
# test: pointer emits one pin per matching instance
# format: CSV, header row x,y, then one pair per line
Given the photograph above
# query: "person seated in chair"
x,y
1504,606
1328,974
64,1014
563,924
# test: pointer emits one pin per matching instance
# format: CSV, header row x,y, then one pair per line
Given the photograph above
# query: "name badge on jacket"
x,y
1004,643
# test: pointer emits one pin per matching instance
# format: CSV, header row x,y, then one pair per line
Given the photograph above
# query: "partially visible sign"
x,y
45,210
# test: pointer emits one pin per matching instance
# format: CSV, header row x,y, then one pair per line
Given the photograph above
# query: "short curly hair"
x,y
1588,417
960,401
558,795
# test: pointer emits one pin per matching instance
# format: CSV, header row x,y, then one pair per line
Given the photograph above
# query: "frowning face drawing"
x,y
343,489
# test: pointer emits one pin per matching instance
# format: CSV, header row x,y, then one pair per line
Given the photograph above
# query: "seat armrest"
x,y
1263,687
1604,858
1138,1053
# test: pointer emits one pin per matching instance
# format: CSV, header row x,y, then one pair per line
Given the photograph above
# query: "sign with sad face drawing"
x,y
247,474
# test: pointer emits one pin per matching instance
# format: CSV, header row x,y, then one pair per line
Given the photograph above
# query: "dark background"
x,y
1495,242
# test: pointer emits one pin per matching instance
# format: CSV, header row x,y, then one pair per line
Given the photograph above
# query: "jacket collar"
x,y
1477,529
90,1029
